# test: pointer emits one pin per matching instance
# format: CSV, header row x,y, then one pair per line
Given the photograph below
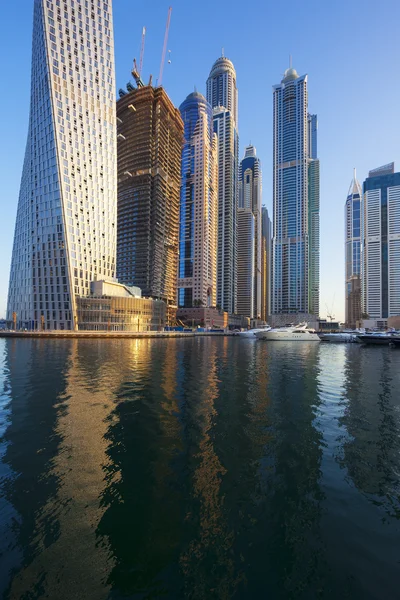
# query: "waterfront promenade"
x,y
110,334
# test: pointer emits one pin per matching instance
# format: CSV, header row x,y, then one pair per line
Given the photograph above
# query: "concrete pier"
x,y
107,334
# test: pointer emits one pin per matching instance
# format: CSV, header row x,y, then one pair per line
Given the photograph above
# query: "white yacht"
x,y
294,333
251,333
340,337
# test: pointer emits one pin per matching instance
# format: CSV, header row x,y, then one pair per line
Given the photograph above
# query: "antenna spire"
x,y
222,52
290,61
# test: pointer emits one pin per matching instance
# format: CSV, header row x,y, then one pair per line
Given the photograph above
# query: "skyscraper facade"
x,y
313,217
223,96
65,232
250,188
266,263
150,139
245,262
353,254
198,222
295,199
381,243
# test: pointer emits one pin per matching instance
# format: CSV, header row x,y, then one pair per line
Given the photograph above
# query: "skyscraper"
x,y
353,253
223,96
313,217
150,139
249,270
295,285
65,232
266,263
381,243
197,276
245,262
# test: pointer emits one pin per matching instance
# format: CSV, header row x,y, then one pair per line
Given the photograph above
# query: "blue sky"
x,y
350,51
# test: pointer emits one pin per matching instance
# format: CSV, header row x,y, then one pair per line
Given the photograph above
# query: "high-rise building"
x,y
222,88
353,253
65,232
381,243
223,96
150,139
245,262
266,263
295,284
249,268
313,217
198,222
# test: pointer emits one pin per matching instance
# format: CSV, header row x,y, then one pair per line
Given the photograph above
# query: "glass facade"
x,y
65,232
222,95
381,243
250,191
295,283
197,276
353,254
112,313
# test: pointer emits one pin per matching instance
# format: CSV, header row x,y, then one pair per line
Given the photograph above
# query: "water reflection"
x,y
197,468
372,421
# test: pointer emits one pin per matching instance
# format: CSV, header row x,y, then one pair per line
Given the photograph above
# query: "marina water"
x,y
199,468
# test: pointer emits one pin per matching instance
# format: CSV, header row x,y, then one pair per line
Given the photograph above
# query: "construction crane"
x,y
164,51
136,74
142,51
329,314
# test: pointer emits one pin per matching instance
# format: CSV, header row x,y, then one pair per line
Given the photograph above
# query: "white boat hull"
x,y
336,338
284,336
251,333
246,334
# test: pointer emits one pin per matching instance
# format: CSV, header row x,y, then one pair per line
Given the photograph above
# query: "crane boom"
x,y
142,51
165,46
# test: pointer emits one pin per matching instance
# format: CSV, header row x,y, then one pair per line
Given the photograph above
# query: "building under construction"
x,y
150,139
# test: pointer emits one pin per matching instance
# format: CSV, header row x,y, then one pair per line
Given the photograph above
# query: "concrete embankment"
x,y
107,334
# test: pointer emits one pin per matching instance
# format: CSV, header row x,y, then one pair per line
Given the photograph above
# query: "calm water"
x,y
198,468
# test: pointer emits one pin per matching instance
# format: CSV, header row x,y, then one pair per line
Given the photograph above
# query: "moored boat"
x,y
340,337
293,333
379,339
250,333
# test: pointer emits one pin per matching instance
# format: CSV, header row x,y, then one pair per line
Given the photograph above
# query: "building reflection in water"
x,y
142,520
72,455
168,468
207,562
370,452
31,442
293,497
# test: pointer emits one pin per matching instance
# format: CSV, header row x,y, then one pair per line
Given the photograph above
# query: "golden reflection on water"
x,y
78,468
211,549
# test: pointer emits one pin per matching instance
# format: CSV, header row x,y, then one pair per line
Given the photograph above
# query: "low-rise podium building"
x,y
112,306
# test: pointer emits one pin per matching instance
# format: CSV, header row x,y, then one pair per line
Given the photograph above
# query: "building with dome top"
x,y
198,216
222,95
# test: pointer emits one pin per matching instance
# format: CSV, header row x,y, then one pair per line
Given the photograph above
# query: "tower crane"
x,y
164,51
136,74
137,71
142,51
329,314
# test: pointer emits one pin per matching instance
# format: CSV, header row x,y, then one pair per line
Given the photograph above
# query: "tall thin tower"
x,y
249,243
197,277
353,253
223,96
295,284
65,232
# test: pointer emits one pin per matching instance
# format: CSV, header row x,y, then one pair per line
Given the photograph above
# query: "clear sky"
x,y
350,50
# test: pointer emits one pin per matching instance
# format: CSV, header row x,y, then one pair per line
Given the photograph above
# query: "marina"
x,y
128,466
